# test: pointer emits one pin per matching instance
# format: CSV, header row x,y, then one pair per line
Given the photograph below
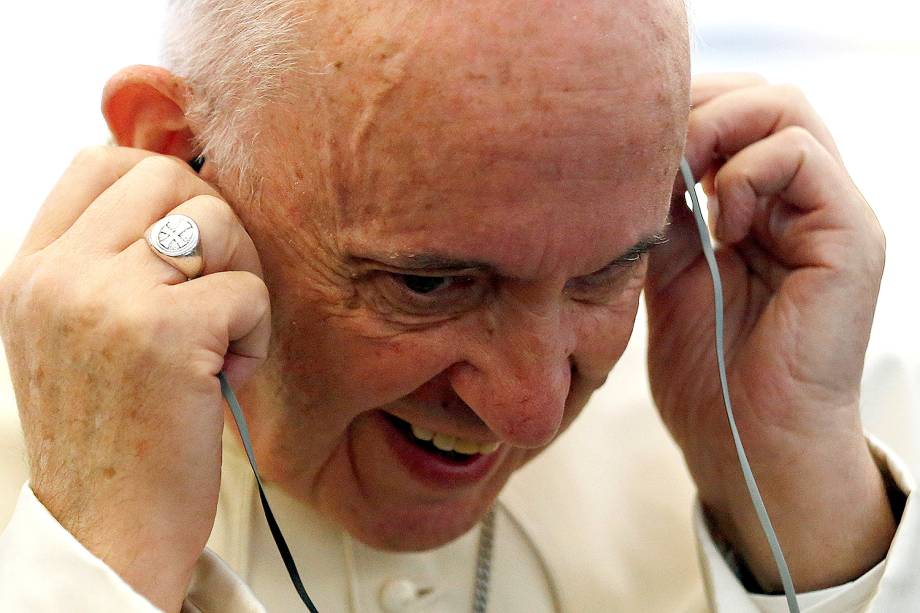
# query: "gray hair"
x,y
233,55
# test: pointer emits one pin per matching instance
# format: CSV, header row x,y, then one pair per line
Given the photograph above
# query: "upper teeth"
x,y
446,442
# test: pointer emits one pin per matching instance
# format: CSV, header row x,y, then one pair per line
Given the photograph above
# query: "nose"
x,y
517,377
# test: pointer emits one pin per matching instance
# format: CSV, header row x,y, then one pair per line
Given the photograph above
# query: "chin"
x,y
393,494
400,528
388,522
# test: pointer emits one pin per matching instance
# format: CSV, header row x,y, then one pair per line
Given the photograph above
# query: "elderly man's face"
x,y
447,229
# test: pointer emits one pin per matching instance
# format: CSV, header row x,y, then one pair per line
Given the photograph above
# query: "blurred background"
x,y
858,62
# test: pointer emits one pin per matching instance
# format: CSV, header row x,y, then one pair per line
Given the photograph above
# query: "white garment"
x,y
602,521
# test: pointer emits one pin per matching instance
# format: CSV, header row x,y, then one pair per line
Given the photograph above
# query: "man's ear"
x,y
144,107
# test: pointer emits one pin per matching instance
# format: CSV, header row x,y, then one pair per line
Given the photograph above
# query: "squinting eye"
x,y
424,285
399,294
604,286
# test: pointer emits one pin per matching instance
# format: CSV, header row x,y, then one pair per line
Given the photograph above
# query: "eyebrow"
x,y
433,262
636,251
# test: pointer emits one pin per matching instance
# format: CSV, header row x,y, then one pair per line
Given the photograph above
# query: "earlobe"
x,y
144,107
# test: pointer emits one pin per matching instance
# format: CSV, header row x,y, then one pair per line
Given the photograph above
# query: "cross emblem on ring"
x,y
175,235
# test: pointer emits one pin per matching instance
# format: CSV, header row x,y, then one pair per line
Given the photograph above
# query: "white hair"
x,y
233,55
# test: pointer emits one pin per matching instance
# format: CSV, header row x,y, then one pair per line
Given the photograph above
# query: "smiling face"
x,y
452,227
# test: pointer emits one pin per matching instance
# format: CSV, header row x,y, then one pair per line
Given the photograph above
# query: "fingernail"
x,y
712,207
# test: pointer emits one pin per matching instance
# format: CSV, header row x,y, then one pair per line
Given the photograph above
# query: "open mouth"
x,y
454,457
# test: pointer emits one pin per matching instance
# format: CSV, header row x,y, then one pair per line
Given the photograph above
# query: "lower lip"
x,y
431,469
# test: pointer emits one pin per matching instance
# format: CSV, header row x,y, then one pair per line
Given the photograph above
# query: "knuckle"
x,y
162,166
264,296
800,137
732,177
44,301
137,328
92,157
224,225
734,186
87,309
218,206
43,285
694,123
242,248
255,289
139,320
753,79
239,244
791,94
700,130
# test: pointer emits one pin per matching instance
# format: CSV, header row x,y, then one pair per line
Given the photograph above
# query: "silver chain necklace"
x,y
484,562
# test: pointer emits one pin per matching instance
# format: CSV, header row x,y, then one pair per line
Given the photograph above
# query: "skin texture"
x,y
449,151
541,143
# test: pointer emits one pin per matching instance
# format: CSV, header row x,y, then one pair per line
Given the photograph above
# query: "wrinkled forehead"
x,y
503,109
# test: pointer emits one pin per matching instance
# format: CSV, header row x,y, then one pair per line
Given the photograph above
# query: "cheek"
x,y
334,359
602,336
603,333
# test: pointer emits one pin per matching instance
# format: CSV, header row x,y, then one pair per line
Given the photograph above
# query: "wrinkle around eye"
x,y
605,286
388,294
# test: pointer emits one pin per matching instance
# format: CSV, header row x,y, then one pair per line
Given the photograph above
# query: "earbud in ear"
x,y
197,163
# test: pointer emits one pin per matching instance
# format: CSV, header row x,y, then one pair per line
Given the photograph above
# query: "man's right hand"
x,y
114,357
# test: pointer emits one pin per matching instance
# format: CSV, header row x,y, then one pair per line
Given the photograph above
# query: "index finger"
x,y
90,173
147,192
732,121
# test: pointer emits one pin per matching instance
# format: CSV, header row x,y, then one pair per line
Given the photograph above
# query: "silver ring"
x,y
175,239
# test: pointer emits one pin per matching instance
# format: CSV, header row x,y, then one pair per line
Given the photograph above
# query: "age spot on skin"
x,y
504,73
140,448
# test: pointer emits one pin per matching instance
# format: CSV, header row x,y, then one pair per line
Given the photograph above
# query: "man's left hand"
x,y
801,257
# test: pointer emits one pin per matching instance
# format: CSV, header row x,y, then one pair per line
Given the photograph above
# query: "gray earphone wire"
x,y
749,480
